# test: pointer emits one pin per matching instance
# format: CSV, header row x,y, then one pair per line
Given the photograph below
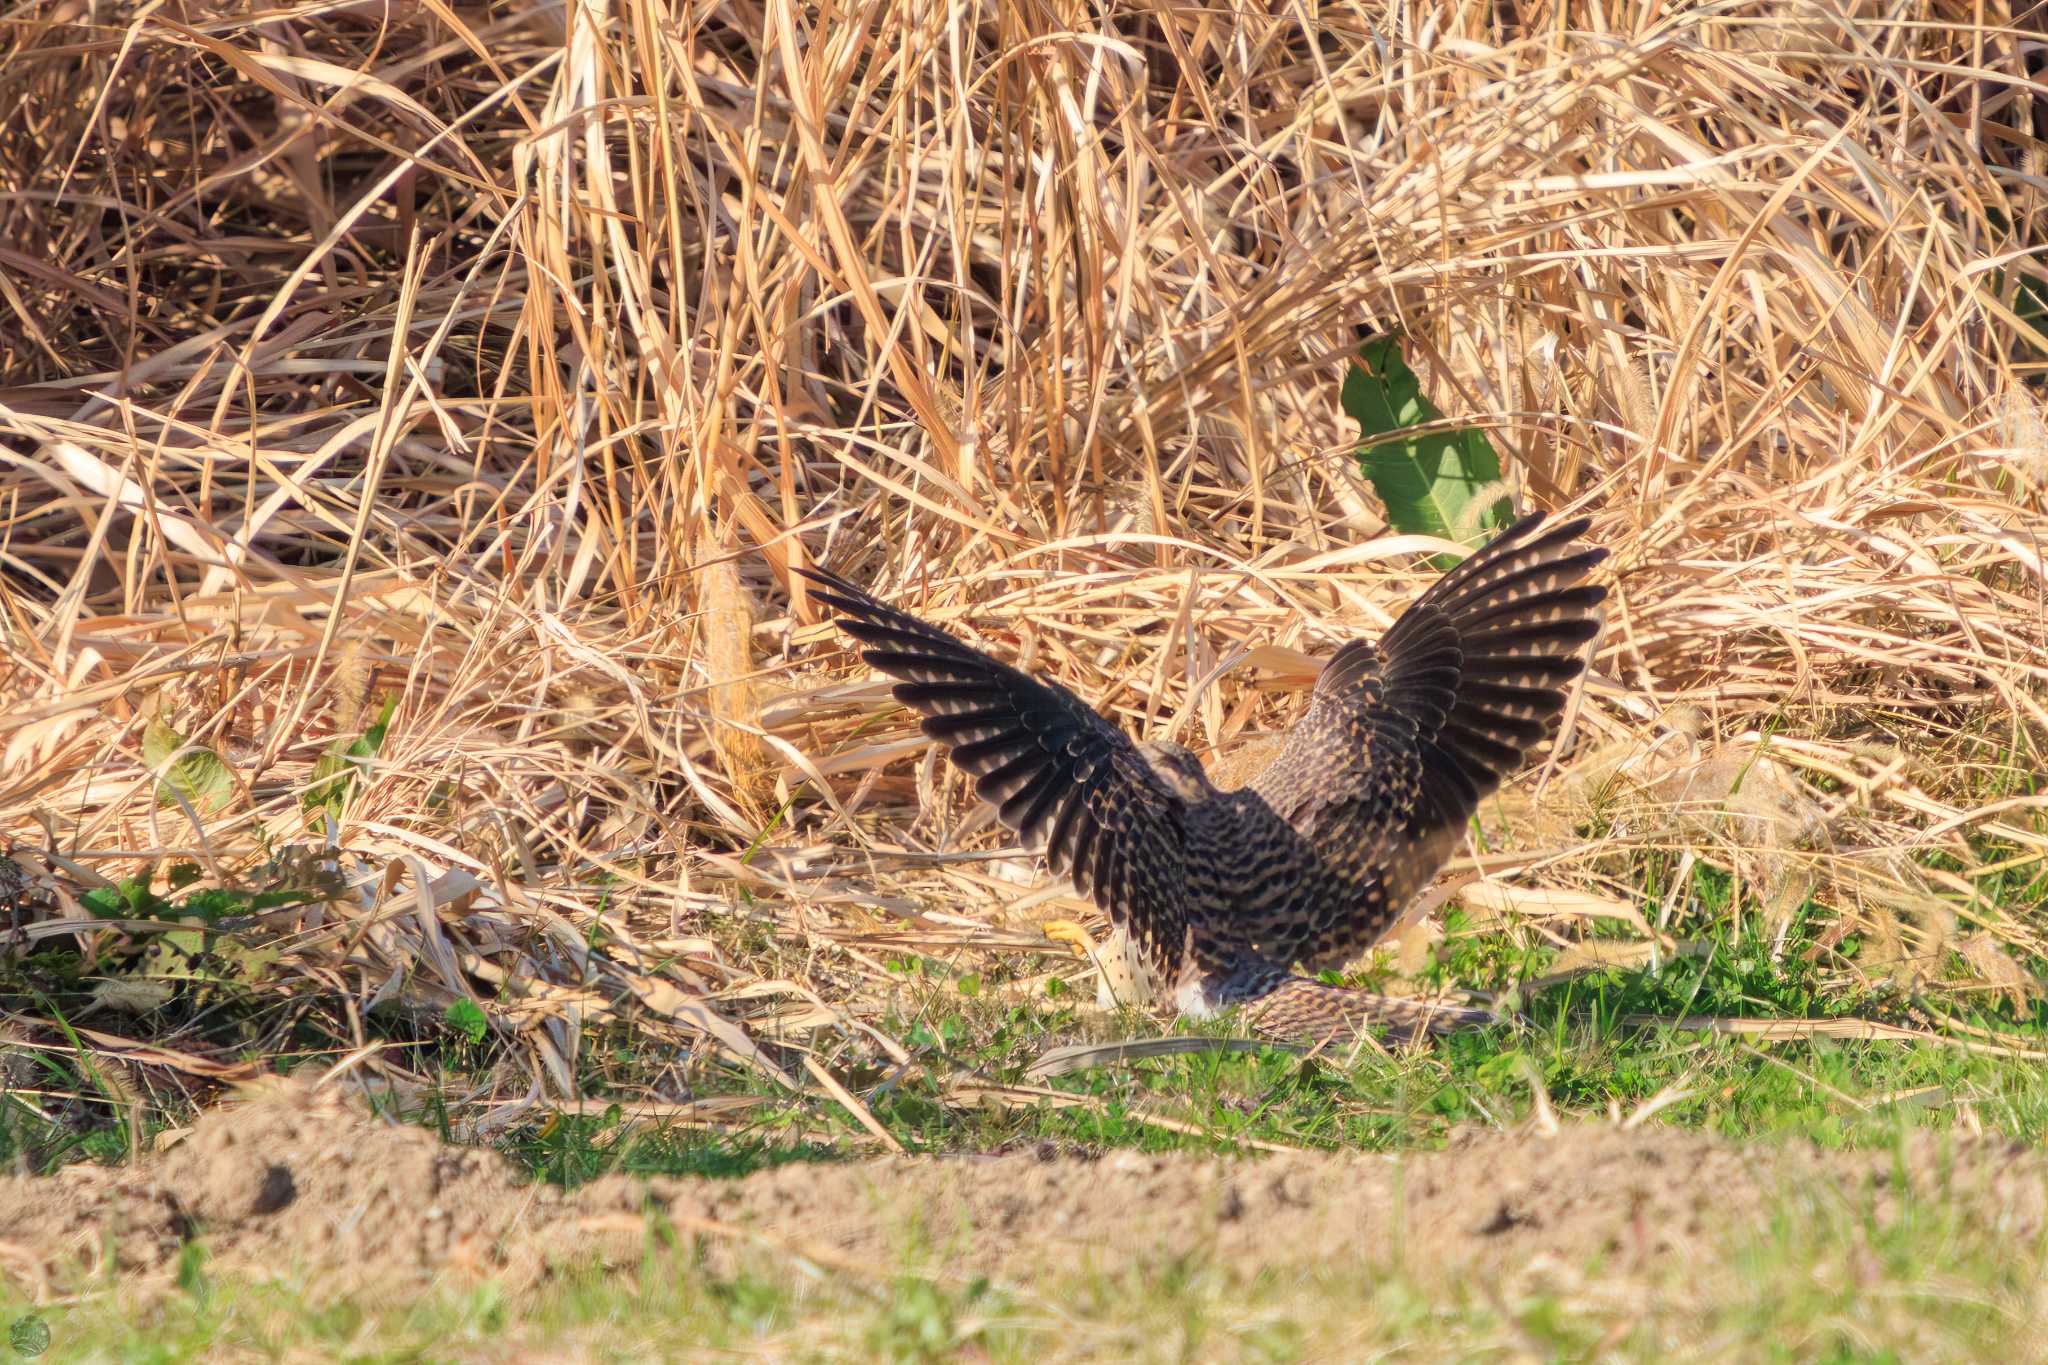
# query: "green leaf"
x,y
1428,482
373,738
335,772
174,953
130,899
467,1019
213,903
218,902
197,773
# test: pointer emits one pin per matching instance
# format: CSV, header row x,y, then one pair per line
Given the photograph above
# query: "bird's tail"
x,y
1300,1007
1481,659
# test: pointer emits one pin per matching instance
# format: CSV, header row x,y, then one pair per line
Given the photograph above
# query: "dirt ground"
x,y
293,1181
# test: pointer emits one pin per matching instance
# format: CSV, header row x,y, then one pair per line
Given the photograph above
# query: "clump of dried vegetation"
x,y
499,362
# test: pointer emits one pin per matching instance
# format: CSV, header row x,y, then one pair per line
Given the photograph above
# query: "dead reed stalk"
x,y
512,353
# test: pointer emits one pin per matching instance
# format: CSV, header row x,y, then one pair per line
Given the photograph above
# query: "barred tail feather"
x,y
1300,1007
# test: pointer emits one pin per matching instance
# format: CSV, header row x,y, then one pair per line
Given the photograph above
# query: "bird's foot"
x,y
1119,981
1070,932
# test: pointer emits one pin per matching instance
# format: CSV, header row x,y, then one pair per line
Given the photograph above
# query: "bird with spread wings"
x,y
1222,894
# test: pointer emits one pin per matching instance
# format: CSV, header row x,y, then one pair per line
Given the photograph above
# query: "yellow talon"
x,y
1071,933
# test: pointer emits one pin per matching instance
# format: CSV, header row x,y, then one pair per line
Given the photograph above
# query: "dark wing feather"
x,y
1403,737
1475,669
1056,772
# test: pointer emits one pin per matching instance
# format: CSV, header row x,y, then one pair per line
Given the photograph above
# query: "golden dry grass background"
x,y
503,359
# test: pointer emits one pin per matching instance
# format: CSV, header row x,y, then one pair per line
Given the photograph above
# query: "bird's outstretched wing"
x,y
1405,736
1055,771
1475,669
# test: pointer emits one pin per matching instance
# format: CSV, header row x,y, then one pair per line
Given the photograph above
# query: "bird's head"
x,y
1178,768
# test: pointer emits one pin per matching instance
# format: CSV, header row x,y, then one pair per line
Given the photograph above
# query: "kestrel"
x,y
1222,894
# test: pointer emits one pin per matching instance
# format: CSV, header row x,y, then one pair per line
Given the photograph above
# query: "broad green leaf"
x,y
467,1019
198,774
1428,482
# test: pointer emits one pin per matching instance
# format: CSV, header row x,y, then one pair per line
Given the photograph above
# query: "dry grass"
x,y
504,359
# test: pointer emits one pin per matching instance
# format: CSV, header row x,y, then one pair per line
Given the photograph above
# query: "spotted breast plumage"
x,y
1224,893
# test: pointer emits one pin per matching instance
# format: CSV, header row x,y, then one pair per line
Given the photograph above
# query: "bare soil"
x,y
292,1182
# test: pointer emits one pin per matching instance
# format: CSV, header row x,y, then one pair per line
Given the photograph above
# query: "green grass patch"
x,y
1577,1047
